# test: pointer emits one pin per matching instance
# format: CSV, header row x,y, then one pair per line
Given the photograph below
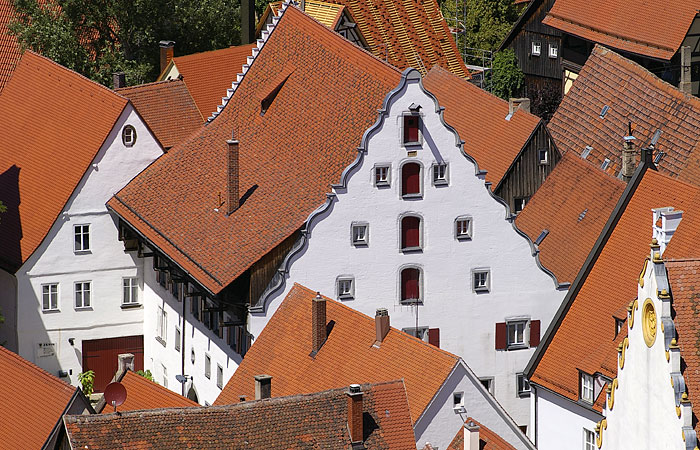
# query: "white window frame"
x,y
165,375
82,292
387,180
219,376
128,135
437,180
536,48
357,239
162,325
543,161
489,381
458,402
130,291
52,305
422,332
586,391
588,439
461,232
178,339
520,329
522,385
524,201
606,164
477,285
341,294
79,244
553,51
207,366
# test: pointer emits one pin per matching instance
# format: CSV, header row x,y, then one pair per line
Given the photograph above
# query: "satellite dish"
x,y
115,394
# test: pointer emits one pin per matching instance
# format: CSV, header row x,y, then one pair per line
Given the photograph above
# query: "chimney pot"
x,y
318,323
125,361
233,170
119,80
471,436
381,320
685,84
629,160
263,386
167,51
355,413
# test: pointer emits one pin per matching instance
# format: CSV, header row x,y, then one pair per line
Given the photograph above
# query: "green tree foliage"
x,y
146,374
506,78
99,37
87,381
485,22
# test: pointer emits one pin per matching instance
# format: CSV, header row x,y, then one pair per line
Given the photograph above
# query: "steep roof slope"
x,y
654,28
348,355
208,74
588,327
25,423
632,94
480,119
318,420
9,48
54,122
573,205
329,93
488,439
407,33
142,393
168,109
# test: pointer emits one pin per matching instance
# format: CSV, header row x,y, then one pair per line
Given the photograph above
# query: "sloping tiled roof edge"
x,y
516,26
59,427
512,164
576,286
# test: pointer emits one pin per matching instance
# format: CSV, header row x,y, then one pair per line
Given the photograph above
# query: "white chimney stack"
x,y
471,436
666,222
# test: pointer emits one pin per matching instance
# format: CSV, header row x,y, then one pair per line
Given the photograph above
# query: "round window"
x,y
129,135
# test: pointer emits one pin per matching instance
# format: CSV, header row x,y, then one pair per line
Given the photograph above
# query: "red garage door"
x,y
101,356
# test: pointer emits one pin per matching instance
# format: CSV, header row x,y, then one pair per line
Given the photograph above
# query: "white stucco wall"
x,y
105,265
642,414
560,422
519,288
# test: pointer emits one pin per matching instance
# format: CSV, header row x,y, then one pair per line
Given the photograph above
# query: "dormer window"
x,y
586,388
129,136
410,180
411,129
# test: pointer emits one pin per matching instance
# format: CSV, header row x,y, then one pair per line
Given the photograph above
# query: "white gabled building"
x,y
413,225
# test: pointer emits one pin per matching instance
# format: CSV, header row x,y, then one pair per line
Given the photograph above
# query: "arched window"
x,y
410,180
411,285
410,233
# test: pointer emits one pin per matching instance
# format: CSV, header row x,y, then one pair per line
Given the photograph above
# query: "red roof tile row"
x,y
9,47
142,393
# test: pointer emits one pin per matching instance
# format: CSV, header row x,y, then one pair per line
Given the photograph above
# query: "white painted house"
x,y
413,226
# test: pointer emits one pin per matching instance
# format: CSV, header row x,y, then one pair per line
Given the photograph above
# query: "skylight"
x,y
605,164
586,152
604,111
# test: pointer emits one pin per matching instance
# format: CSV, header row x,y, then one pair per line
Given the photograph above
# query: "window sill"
x,y
483,290
411,302
382,184
83,308
131,305
346,297
82,252
412,250
161,340
51,311
464,237
524,394
440,183
360,244
516,347
415,196
412,144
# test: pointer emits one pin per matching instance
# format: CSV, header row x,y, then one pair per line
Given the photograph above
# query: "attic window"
x,y
411,127
129,136
658,157
267,101
541,237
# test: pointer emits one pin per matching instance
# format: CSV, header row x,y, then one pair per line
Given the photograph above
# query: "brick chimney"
x,y
518,103
247,21
355,413
167,51
685,84
318,323
263,386
666,221
118,80
629,161
471,436
232,179
381,322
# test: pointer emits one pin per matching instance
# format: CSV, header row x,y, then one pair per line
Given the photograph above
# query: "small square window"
x,y
346,288
165,375
519,204
49,294
219,376
207,366
81,234
516,334
440,174
128,136
523,385
411,129
178,339
463,228
553,51
382,175
588,440
487,382
586,388
481,280
130,291
536,48
82,294
543,156
360,234
458,401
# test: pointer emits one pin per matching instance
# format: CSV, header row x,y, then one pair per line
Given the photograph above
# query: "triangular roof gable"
x,y
336,85
54,123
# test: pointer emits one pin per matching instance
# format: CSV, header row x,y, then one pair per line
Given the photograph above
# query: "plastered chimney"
x,y
381,322
318,323
263,386
629,160
355,413
471,436
685,84
232,179
125,361
518,103
666,221
167,51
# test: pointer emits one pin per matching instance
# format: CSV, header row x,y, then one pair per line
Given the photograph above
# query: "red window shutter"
x,y
434,337
410,176
501,336
534,333
409,284
410,129
410,232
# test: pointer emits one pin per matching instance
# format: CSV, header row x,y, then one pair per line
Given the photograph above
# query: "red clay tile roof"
x,y
9,48
573,204
289,156
632,94
208,74
144,394
168,109
488,439
33,402
54,121
318,420
588,326
348,356
651,28
407,33
491,139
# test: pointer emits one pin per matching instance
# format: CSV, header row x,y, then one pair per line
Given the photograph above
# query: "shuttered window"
x,y
434,337
410,129
410,232
410,285
410,179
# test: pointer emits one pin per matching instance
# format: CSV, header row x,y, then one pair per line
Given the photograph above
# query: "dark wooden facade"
x,y
528,171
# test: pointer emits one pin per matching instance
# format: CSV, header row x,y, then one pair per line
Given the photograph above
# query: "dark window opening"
x,y
410,286
410,129
410,179
410,232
